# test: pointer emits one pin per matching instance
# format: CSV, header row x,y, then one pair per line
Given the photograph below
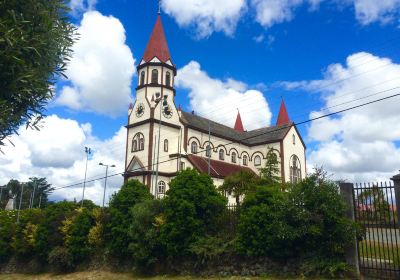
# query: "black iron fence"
x,y
230,219
375,211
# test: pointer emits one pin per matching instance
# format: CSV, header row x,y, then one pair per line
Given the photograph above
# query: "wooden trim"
x,y
172,68
150,150
151,120
129,174
177,155
282,162
185,138
257,152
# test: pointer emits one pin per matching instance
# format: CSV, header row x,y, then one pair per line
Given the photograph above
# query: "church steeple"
x,y
283,117
238,123
157,45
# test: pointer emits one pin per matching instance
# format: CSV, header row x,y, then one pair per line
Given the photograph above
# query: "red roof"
x,y
283,117
157,45
238,123
219,169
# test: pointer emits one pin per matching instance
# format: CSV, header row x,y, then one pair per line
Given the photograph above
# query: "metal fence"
x,y
379,239
230,219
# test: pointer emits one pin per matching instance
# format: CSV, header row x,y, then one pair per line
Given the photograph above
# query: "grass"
x,y
378,250
105,275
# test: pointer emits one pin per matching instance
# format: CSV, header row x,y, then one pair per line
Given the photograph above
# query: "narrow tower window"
x,y
294,139
142,78
168,79
154,76
165,145
161,187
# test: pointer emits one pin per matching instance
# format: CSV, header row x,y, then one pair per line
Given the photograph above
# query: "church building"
x,y
162,139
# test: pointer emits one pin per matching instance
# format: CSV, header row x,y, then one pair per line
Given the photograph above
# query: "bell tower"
x,y
153,111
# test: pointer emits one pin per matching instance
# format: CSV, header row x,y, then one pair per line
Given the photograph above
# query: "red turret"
x,y
238,123
157,45
283,118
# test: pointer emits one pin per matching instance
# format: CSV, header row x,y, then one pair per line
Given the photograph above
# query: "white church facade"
x,y
162,139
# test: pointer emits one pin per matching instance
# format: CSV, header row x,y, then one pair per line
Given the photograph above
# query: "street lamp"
x,y
105,181
88,151
164,104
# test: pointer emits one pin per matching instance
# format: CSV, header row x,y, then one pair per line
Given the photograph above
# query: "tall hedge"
x,y
193,208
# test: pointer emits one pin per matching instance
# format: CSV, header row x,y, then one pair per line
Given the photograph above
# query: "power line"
x,y
261,134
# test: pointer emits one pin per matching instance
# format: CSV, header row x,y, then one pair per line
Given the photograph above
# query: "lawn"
x,y
378,250
102,275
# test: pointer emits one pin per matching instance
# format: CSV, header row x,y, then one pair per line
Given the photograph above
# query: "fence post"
x,y
351,254
396,180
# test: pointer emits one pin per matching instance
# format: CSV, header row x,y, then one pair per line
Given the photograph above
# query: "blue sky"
x,y
312,53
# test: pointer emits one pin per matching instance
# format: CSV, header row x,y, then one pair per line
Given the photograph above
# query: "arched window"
x,y
208,151
168,79
161,187
138,142
257,161
294,139
245,160
134,145
233,157
221,154
142,78
194,147
165,145
154,76
295,169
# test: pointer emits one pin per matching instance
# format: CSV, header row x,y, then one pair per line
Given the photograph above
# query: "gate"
x,y
375,211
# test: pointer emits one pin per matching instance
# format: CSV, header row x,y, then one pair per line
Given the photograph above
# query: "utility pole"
x,y
33,194
20,202
88,151
105,181
164,103
1,193
208,150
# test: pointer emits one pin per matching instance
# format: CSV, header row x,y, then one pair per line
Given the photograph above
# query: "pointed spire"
x,y
238,123
283,117
157,45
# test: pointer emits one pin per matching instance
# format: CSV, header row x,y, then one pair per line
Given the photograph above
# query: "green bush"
x,y
146,248
7,232
76,235
193,208
307,220
119,220
270,225
61,259
48,234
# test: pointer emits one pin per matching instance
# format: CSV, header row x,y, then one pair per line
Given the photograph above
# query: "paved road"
x,y
384,235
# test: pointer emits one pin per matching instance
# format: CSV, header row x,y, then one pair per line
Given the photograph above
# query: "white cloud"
x,y
206,16
219,100
57,153
359,144
79,6
101,69
368,11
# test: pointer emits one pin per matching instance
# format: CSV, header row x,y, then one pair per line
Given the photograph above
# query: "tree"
x,y
35,44
117,228
378,208
193,209
238,184
271,173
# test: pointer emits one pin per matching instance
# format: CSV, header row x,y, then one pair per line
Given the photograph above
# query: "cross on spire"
x,y
159,6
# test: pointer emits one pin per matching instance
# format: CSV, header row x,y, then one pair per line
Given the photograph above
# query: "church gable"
x,y
135,165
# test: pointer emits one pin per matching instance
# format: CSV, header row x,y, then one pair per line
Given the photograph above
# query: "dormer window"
x,y
221,154
245,160
168,79
208,151
257,161
194,148
154,76
142,78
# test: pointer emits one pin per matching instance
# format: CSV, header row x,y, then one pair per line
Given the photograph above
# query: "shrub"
x,y
61,259
192,210
48,234
76,234
146,248
120,217
7,231
270,225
